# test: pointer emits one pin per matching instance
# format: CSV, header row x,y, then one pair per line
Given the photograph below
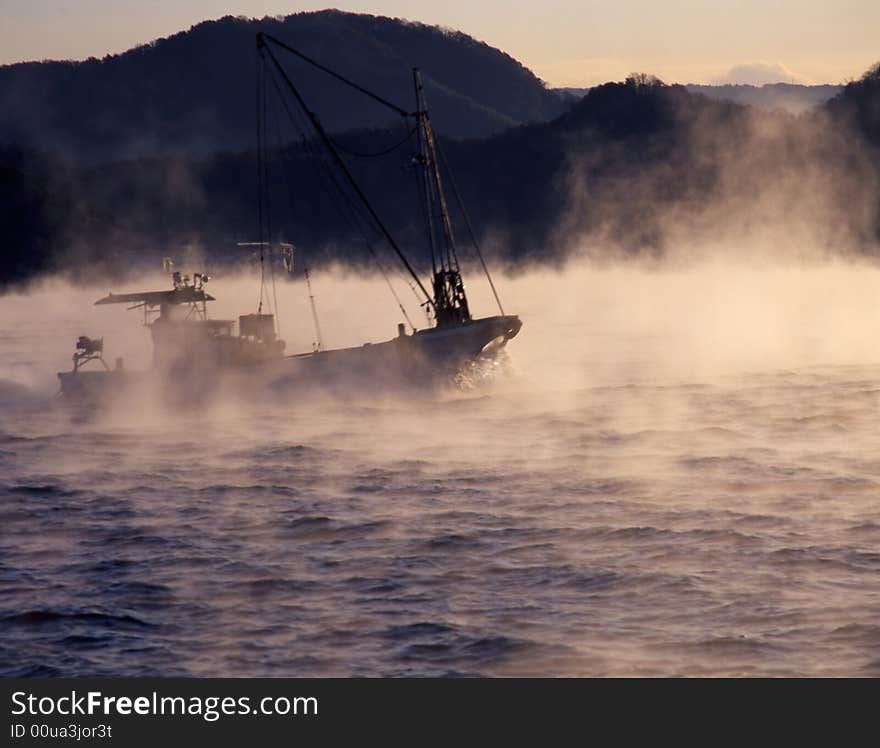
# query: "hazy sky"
x,y
566,42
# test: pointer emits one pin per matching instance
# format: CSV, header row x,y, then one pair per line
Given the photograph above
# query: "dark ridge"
x,y
193,92
631,169
858,105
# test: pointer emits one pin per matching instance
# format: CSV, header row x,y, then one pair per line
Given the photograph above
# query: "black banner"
x,y
135,712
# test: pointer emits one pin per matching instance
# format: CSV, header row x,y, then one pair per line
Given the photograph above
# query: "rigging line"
x,y
402,275
338,159
432,174
271,259
261,72
424,201
343,202
285,150
470,228
357,154
408,281
409,164
422,305
321,158
391,288
311,149
268,191
275,296
418,169
350,213
320,342
261,38
437,184
347,207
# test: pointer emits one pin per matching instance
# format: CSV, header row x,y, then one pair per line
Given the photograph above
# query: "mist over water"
x,y
675,472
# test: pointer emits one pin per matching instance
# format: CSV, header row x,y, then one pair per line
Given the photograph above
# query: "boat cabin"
x,y
184,336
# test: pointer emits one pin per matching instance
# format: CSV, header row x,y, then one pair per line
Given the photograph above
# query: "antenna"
x,y
450,301
319,344
287,257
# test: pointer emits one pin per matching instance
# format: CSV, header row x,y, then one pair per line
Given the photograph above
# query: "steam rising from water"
x,y
676,475
584,324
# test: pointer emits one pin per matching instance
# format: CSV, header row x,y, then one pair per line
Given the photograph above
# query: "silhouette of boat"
x,y
193,354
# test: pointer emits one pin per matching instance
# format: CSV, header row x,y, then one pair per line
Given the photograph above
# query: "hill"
x,y
193,92
637,168
858,105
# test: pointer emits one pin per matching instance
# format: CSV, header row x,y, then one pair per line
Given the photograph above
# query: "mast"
x,y
450,300
319,342
447,300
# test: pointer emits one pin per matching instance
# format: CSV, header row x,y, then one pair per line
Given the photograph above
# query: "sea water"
x,y
674,473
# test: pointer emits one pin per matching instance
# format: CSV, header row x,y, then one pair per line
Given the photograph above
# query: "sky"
x,y
565,42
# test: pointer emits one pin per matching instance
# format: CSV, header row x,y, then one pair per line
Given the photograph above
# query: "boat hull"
x,y
424,359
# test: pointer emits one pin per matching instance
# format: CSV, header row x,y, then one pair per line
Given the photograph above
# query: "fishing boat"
x,y
193,354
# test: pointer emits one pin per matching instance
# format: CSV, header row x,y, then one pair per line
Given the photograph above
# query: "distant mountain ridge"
x,y
787,97
193,92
